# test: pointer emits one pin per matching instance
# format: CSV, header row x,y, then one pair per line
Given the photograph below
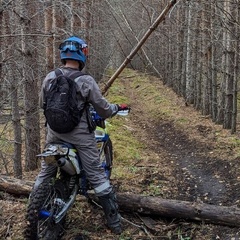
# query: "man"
x,y
73,53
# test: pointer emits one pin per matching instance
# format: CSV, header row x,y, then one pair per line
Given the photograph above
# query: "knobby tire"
x,y
108,156
42,198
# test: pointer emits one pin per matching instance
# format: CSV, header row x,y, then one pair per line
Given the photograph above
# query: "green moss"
x,y
126,147
182,120
154,190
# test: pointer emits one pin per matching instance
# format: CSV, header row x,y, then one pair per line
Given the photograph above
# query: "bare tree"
x,y
49,41
236,70
189,36
228,60
213,64
30,85
16,121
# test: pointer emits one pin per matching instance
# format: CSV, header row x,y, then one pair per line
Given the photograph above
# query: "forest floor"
x,y
183,156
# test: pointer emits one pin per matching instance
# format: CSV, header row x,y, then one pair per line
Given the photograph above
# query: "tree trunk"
x,y
15,186
205,62
189,78
222,77
199,67
179,55
30,86
1,31
16,121
148,205
10,76
229,57
184,54
198,211
236,74
214,64
49,45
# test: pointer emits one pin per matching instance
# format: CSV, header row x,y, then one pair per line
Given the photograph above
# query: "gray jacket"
x,y
88,91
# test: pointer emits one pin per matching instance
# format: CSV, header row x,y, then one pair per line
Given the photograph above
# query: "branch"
x,y
139,45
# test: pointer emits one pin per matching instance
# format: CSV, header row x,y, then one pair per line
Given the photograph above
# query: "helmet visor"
x,y
70,45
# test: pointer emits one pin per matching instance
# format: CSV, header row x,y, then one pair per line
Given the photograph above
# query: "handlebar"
x,y
96,117
123,112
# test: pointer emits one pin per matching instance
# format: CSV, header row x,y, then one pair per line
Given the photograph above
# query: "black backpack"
x,y
61,106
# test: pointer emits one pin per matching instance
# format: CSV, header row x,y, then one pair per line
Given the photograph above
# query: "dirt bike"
x,y
50,202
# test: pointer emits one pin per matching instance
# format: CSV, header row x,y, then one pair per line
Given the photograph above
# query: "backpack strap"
x,y
72,75
58,72
75,75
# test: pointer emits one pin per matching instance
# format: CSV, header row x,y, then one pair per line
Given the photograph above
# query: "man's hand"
x,y
122,107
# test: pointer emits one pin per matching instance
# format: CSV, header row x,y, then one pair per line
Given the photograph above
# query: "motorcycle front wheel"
x,y
106,157
41,210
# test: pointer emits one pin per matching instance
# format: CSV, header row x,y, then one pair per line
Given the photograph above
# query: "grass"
x,y
127,148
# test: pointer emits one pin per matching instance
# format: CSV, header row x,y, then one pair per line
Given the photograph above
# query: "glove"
x,y
122,107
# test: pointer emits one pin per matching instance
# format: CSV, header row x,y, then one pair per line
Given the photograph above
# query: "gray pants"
x,y
86,146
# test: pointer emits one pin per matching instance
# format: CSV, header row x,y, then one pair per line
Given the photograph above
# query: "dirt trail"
x,y
193,172
200,176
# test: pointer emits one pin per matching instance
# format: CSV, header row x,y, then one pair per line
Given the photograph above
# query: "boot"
x,y
110,208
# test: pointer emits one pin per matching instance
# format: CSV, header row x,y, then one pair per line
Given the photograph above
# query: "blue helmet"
x,y
74,48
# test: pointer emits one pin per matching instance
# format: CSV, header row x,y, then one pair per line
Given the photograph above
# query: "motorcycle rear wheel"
x,y
41,227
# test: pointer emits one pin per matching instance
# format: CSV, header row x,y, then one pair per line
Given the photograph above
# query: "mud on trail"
x,y
200,176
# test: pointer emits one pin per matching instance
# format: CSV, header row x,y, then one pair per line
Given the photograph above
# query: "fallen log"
x,y
15,186
149,205
198,211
